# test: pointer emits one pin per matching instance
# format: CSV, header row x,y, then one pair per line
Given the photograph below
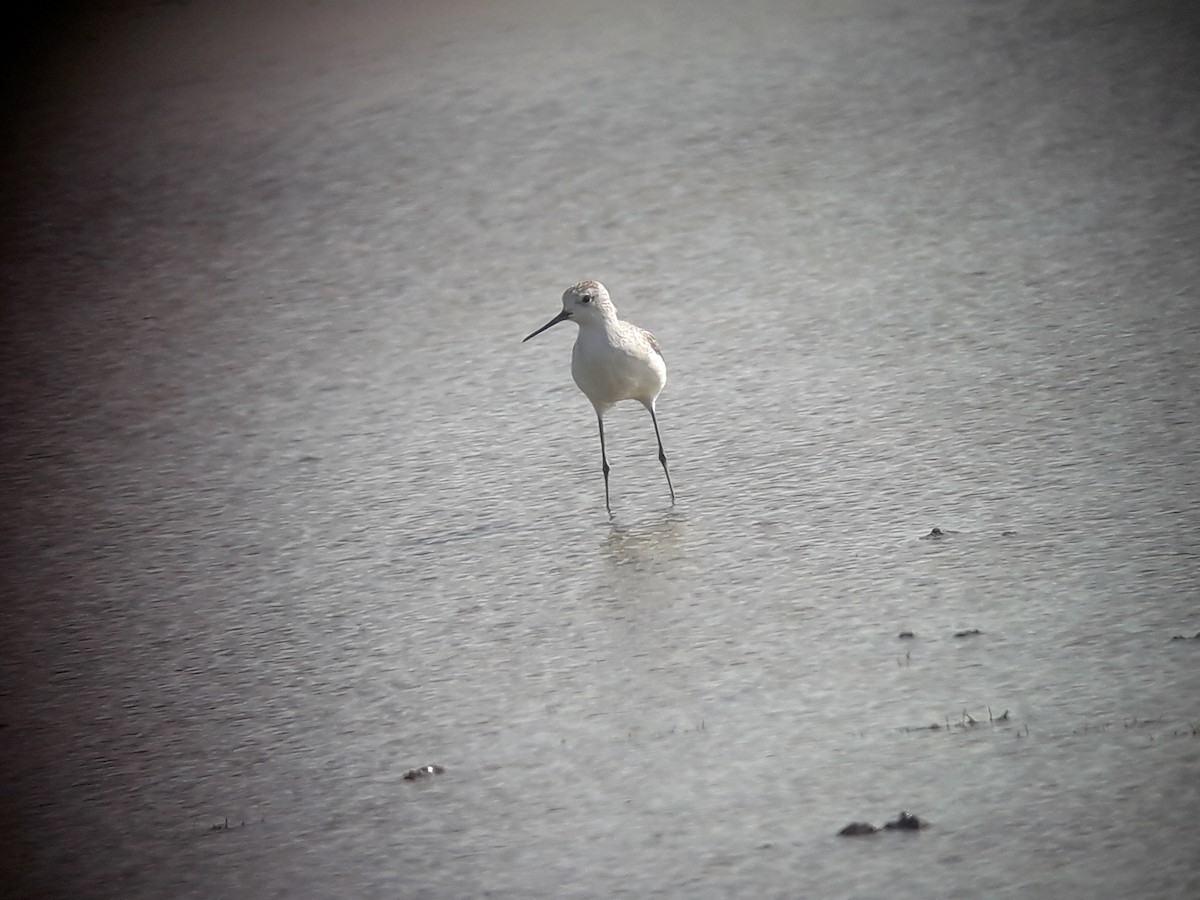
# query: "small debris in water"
x,y
422,772
968,632
855,829
965,721
906,822
1184,637
933,535
225,826
904,635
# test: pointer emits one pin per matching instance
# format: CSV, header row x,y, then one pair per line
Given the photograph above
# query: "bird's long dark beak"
x,y
561,317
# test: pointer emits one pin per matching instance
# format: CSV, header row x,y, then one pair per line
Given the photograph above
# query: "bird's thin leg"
x,y
604,460
662,456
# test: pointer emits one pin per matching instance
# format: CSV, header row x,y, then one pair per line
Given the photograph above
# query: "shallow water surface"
x,y
292,510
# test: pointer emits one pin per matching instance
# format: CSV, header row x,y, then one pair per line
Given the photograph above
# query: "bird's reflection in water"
x,y
649,539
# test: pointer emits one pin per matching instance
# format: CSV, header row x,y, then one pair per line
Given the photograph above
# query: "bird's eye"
x,y
585,299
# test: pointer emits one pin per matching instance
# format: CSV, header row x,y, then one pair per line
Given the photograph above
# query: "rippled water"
x,y
292,511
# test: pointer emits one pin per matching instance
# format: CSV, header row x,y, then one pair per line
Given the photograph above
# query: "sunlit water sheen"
x,y
290,510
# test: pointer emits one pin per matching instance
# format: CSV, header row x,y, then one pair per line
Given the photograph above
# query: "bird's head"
x,y
587,302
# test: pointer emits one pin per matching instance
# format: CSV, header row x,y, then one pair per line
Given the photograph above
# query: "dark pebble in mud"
x,y
422,772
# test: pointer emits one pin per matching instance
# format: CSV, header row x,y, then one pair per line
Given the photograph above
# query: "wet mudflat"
x,y
291,514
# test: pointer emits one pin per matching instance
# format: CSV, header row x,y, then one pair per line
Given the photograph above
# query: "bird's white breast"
x,y
617,363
